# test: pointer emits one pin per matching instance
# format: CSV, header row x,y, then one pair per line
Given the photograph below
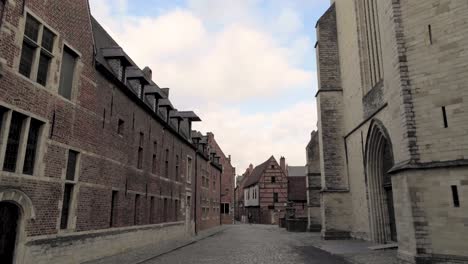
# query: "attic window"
x,y
120,127
272,166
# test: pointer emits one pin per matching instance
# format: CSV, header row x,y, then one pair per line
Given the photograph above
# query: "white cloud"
x,y
223,12
252,138
215,69
289,21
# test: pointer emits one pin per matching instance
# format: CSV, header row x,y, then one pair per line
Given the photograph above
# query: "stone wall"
x,y
422,50
84,246
313,183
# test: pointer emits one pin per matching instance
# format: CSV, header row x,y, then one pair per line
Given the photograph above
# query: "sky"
x,y
246,67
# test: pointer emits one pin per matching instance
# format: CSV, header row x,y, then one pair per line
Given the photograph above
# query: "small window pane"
x,y
120,127
31,147
113,209
67,194
48,40
31,29
11,154
2,112
140,158
67,71
27,57
71,165
43,70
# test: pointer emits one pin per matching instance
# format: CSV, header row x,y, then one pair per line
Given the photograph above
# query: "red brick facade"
x,y
227,182
131,164
272,185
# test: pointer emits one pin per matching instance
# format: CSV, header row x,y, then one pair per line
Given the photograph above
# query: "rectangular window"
x,y
189,170
113,209
120,127
27,58
444,116
140,158
67,72
2,113
225,208
31,147
176,210
11,154
136,210
140,152
48,40
36,40
31,29
43,69
275,197
152,211
66,205
371,42
166,164
177,168
165,210
273,179
71,165
456,199
154,161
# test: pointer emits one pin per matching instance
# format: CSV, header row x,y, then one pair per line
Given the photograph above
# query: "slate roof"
x,y
190,115
165,103
297,171
297,188
257,172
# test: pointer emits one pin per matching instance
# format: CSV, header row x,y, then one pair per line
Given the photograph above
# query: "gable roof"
x,y
257,172
297,190
297,171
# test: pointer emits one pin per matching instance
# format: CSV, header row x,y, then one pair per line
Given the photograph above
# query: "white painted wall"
x,y
251,196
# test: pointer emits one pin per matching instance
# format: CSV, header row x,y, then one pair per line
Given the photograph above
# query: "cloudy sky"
x,y
246,67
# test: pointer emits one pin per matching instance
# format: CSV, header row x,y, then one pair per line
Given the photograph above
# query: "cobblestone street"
x,y
250,244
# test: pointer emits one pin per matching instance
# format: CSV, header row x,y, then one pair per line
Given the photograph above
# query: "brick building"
x,y
227,181
297,189
392,112
239,211
313,183
94,159
266,192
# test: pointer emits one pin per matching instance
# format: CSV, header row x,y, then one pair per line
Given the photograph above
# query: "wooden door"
x,y
9,215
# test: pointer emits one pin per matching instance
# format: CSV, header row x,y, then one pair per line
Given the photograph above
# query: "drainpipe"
x,y
195,193
2,12
220,177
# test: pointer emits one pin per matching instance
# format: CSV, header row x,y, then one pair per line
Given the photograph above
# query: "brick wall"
x,y
88,123
271,211
227,179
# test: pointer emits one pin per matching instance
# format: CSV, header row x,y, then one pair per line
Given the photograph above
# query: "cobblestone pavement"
x,y
244,244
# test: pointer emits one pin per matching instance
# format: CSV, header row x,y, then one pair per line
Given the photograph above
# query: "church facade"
x,y
392,121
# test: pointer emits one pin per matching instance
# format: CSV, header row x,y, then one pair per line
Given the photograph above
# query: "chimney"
x,y
148,72
283,164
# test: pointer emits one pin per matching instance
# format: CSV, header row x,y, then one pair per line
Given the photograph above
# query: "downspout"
x,y
220,177
195,193
3,12
22,8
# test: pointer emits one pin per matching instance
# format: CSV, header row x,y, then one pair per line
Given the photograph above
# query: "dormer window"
x,y
118,61
117,68
136,80
36,53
